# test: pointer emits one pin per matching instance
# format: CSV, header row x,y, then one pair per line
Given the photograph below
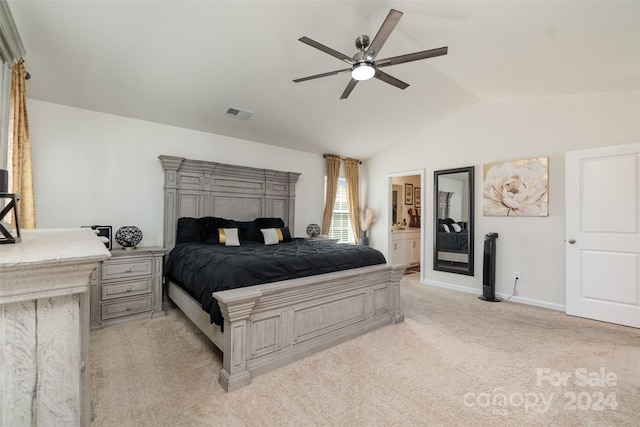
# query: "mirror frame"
x,y
469,271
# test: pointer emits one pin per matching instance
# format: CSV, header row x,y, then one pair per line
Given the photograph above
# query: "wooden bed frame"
x,y
268,326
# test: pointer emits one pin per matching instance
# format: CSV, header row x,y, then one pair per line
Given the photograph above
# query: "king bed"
x,y
291,297
452,241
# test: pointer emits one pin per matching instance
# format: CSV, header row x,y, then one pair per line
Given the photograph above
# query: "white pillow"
x,y
270,236
446,228
232,237
456,227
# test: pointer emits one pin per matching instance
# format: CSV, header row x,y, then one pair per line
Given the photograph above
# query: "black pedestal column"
x,y
489,269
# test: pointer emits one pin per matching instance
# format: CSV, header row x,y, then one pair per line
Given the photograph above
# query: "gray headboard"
x,y
197,188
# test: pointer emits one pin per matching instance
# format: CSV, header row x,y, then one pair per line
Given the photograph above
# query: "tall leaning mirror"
x,y
454,224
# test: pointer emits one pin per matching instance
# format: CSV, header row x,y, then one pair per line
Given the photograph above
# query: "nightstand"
x,y
127,287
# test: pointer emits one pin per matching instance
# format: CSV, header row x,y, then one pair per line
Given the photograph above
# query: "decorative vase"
x,y
128,237
364,240
313,230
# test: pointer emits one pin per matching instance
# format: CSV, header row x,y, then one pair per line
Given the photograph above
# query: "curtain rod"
x,y
343,158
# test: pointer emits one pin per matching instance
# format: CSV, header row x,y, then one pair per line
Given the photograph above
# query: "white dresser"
x,y
44,326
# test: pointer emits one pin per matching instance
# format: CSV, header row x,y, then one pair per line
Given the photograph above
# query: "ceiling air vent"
x,y
238,113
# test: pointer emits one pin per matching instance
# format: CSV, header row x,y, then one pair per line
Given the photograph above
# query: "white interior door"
x,y
603,234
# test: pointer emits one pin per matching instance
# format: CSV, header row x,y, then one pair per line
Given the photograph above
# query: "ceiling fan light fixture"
x,y
364,63
362,71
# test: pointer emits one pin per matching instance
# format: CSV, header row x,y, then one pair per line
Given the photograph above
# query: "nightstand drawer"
x,y
123,289
123,269
125,308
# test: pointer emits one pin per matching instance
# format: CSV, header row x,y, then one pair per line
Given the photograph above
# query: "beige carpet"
x,y
455,361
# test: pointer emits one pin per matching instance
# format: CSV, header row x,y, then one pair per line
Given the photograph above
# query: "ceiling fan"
x,y
364,65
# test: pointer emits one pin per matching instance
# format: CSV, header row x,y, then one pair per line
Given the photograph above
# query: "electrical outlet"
x,y
516,275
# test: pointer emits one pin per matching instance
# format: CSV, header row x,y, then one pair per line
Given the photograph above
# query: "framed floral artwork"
x,y
417,197
408,194
516,188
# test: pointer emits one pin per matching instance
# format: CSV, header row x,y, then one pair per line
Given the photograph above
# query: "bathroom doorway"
x,y
406,226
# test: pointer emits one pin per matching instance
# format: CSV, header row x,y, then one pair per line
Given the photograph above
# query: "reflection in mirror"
x,y
397,192
453,225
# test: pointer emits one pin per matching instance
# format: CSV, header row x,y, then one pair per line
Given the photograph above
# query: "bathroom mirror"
x,y
453,225
395,197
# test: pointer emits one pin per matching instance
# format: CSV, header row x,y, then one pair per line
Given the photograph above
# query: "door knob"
x,y
572,241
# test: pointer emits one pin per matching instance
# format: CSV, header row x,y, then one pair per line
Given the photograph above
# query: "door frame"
x,y
424,196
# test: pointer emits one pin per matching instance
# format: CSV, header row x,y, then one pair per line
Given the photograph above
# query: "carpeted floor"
x,y
455,361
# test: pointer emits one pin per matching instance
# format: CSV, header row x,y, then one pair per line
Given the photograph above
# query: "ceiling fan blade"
x,y
385,30
349,88
317,76
391,80
341,56
411,57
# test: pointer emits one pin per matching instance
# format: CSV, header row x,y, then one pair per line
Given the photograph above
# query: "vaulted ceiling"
x,y
183,63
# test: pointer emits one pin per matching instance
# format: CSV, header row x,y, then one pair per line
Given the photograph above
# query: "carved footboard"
x,y
268,326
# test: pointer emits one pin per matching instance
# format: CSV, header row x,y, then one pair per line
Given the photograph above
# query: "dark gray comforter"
x,y
453,242
202,269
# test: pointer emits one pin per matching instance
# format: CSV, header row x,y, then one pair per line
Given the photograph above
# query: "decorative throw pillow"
x,y
263,223
229,236
449,223
446,228
270,236
188,230
247,231
210,226
286,234
456,227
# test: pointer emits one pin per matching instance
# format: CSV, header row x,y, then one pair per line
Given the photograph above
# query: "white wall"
x,y
93,168
503,130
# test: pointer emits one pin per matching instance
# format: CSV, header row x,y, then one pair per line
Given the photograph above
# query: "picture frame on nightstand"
x,y
102,231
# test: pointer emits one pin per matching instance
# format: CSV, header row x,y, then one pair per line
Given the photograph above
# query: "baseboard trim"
x,y
535,302
521,300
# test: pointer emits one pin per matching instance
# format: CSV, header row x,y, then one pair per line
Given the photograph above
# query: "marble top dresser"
x,y
44,326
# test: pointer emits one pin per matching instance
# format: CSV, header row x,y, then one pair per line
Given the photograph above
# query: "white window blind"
x,y
340,224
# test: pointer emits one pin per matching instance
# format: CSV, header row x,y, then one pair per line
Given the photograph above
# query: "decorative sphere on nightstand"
x,y
313,230
129,236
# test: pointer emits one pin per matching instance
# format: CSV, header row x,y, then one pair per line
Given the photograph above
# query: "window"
x,y
340,223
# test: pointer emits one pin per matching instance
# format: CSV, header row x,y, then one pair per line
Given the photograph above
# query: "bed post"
x,y
170,165
293,179
395,275
236,312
